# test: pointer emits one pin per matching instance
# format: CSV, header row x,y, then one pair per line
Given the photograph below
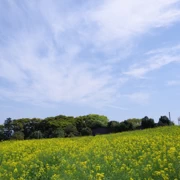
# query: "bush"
x,y
36,135
58,133
2,137
86,131
125,126
71,130
71,135
114,126
147,123
18,135
164,121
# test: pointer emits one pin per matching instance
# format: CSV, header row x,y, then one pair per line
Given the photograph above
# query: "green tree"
x,y
135,122
58,133
2,128
80,123
164,121
8,124
114,126
94,120
8,127
86,131
128,125
122,127
36,135
147,122
2,137
71,131
50,124
18,135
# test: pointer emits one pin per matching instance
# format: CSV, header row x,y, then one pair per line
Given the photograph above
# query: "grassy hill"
x,y
144,154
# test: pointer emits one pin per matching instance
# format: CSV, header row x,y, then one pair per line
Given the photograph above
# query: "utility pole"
x,y
169,116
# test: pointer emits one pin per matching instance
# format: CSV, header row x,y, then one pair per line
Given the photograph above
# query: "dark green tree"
x,y
80,123
114,126
58,133
164,121
122,127
18,135
36,135
94,120
2,137
135,122
8,127
147,122
86,131
71,131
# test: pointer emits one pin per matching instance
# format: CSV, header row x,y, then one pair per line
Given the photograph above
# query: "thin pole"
x,y
169,116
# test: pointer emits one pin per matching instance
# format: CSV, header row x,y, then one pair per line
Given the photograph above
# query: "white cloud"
x,y
43,58
120,21
55,78
158,59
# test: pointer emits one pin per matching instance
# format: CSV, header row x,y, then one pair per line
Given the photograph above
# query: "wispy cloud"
x,y
120,21
156,60
57,51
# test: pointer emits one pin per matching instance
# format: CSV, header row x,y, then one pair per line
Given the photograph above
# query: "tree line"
x,y
69,126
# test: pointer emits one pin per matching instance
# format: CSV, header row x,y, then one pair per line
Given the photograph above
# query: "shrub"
x,y
86,131
147,122
36,135
18,135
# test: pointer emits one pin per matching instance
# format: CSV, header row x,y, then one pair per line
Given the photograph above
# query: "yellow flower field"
x,y
147,154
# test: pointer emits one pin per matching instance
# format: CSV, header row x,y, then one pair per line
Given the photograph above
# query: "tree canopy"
x,y
69,126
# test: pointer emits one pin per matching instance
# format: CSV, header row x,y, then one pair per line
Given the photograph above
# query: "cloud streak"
x,y
50,53
120,21
156,60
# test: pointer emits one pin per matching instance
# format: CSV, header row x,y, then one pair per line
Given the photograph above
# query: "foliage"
x,y
125,126
58,133
29,125
147,122
135,122
2,136
68,126
8,128
80,123
122,127
71,131
86,131
1,128
94,120
18,135
164,121
147,154
114,126
36,135
8,124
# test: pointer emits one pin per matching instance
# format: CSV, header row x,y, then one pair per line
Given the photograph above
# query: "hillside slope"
x,y
143,154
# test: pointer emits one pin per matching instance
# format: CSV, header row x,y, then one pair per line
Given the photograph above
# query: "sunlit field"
x,y
144,154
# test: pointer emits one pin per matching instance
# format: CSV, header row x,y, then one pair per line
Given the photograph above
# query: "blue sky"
x,y
118,58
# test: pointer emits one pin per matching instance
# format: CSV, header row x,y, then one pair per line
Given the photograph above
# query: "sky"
x,y
118,58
